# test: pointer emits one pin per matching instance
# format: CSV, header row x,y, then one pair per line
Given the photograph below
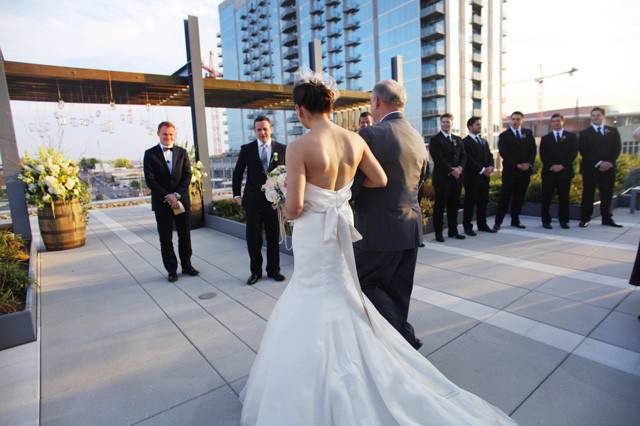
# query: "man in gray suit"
x,y
390,219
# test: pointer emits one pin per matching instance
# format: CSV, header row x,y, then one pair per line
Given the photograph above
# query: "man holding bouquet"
x,y
258,158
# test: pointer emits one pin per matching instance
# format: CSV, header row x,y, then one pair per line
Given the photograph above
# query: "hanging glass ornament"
x,y
60,104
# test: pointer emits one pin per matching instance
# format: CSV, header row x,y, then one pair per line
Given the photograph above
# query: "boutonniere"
x,y
274,157
606,131
564,137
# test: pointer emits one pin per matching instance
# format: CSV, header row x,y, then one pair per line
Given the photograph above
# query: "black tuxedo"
x,y
515,182
562,152
259,211
476,184
446,154
595,147
161,181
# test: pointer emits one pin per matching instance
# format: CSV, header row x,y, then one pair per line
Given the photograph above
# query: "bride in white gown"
x,y
327,356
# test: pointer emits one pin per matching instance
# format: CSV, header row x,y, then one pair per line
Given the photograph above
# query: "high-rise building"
x,y
451,51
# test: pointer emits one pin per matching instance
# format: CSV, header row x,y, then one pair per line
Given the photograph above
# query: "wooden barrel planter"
x,y
66,228
196,213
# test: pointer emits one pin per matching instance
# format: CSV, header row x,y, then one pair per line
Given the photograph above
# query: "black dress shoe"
x,y
564,226
457,236
417,344
253,279
190,271
611,223
172,277
470,232
487,229
440,238
547,226
421,245
496,228
518,225
277,276
583,223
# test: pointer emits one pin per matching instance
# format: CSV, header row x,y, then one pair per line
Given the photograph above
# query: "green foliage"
x,y
14,277
88,163
123,163
229,209
135,184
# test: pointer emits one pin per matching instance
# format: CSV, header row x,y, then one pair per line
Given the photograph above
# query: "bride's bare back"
x,y
328,157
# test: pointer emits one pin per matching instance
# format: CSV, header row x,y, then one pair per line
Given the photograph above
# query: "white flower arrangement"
x,y
275,188
50,178
196,185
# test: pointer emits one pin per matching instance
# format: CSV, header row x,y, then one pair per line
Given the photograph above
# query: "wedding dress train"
x,y
328,357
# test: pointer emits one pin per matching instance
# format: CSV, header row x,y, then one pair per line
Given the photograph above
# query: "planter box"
x,y
19,327
237,229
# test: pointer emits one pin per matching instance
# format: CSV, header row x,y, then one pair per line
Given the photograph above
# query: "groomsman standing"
x,y
558,149
259,158
478,170
600,148
167,172
447,152
518,151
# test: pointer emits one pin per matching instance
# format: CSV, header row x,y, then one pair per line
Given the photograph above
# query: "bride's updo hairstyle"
x,y
314,96
316,92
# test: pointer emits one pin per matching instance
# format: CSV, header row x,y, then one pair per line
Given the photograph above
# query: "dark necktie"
x,y
557,137
518,134
263,158
165,149
599,130
448,138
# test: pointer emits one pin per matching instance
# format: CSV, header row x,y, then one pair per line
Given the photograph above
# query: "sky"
x,y
597,37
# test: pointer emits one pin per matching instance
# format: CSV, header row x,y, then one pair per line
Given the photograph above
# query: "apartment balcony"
x,y
285,3
335,64
293,119
288,13
434,51
291,53
433,31
352,41
351,7
243,16
253,20
264,26
339,78
316,9
476,94
289,80
476,76
246,60
476,20
317,24
289,26
333,16
252,8
478,3
351,24
433,111
247,72
354,58
476,57
266,76
430,71
354,75
476,112
296,131
290,40
255,43
433,92
292,66
244,27
435,9
332,2
335,49
256,67
333,33
246,49
476,38
263,13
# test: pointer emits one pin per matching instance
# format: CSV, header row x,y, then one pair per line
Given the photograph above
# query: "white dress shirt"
x,y
557,135
168,157
595,127
513,129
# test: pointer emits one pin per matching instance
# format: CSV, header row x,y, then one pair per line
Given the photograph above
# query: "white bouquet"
x,y
275,191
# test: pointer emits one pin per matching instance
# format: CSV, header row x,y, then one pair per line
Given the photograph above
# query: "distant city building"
x,y
451,50
579,118
219,130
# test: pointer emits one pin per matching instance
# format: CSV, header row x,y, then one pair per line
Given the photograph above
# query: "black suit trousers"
x,y
514,190
605,181
553,183
165,220
447,197
476,197
261,215
386,278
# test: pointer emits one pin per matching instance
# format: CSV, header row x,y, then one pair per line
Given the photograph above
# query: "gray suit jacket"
x,y
390,218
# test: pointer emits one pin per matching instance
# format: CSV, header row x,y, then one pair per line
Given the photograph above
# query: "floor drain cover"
x,y
205,296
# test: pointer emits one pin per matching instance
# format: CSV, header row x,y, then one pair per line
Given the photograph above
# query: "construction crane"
x,y
540,80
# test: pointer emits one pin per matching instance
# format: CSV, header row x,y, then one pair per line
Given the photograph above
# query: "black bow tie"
x,y
165,149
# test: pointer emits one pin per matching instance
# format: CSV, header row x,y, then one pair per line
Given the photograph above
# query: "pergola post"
x,y
397,71
197,103
11,162
315,55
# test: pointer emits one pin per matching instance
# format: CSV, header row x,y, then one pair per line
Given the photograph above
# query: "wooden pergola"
x,y
47,83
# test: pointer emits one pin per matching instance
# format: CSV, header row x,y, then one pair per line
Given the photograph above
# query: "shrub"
x,y
229,209
14,277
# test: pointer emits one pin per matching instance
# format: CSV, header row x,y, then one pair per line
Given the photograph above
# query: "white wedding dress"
x,y
328,357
